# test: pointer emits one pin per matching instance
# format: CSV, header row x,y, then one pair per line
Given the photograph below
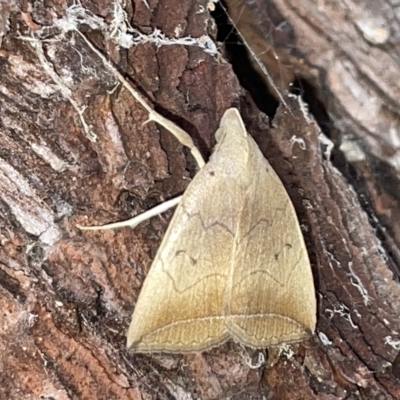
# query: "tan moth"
x,y
233,263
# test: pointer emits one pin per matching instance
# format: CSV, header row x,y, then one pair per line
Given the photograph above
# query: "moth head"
x,y
233,141
232,125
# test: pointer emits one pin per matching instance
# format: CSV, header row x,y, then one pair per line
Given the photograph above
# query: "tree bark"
x,y
74,149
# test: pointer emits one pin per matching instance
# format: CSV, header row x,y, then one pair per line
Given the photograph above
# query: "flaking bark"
x,y
66,296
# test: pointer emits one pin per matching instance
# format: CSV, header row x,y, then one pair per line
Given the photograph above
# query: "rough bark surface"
x,y
66,296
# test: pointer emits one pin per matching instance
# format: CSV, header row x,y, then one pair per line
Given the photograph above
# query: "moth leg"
x,y
135,221
178,132
183,137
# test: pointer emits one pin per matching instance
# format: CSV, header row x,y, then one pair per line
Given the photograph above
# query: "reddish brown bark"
x,y
66,296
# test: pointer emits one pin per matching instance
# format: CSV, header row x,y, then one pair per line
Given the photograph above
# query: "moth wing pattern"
x,y
211,278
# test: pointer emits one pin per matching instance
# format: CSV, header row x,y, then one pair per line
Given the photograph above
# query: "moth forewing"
x,y
275,275
233,262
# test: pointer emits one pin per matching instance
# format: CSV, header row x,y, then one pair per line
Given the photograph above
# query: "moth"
x,y
232,264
